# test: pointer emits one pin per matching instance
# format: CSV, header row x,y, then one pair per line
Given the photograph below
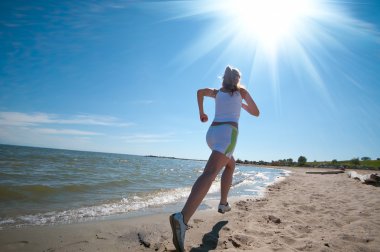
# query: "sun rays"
x,y
310,36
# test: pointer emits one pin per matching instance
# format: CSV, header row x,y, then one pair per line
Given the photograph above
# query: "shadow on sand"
x,y
210,240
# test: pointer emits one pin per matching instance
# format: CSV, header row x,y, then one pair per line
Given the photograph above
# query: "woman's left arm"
x,y
251,106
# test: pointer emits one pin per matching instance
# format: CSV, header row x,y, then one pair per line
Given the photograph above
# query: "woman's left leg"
x,y
200,188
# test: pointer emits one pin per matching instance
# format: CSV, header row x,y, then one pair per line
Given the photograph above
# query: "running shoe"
x,y
178,228
224,208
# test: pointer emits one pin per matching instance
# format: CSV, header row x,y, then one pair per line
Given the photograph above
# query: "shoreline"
x,y
307,212
150,203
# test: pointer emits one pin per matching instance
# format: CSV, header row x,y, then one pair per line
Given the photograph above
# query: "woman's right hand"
x,y
203,117
201,93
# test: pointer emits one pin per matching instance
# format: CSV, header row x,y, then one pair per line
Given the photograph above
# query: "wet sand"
x,y
305,212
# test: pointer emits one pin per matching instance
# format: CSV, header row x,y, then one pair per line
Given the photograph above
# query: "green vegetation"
x,y
354,163
371,163
301,161
366,164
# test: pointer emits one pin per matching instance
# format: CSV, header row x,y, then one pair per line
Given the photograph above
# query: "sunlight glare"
x,y
291,41
267,22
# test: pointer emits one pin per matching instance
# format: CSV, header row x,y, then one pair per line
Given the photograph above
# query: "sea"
x,y
42,186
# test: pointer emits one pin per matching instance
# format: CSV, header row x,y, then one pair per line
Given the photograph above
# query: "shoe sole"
x,y
222,212
175,238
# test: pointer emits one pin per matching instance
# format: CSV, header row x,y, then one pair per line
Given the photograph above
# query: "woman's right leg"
x,y
200,188
226,182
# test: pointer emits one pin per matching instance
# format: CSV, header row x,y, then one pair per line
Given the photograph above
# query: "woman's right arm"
x,y
201,93
251,106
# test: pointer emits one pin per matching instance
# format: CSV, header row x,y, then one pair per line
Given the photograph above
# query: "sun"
x,y
257,24
289,41
267,22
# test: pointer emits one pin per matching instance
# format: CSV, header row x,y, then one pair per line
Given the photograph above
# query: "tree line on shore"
x,y
354,163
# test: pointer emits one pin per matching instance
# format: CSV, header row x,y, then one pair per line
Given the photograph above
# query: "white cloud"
x,y
35,137
51,130
22,119
80,132
150,138
95,120
34,119
66,132
142,102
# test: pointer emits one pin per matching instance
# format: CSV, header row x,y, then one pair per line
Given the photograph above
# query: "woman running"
x,y
221,138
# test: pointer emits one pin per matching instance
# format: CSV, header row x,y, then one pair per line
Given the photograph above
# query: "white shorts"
x,y
222,138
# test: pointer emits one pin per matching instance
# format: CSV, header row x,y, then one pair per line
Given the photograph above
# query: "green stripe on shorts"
x,y
232,145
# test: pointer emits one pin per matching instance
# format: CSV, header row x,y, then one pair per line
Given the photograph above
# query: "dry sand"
x,y
305,212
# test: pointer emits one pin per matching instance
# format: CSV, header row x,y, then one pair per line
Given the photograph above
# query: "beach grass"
x,y
359,164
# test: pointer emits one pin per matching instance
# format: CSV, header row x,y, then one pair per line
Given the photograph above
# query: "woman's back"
x,y
227,106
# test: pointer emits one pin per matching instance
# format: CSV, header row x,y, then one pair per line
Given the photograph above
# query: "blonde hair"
x,y
228,79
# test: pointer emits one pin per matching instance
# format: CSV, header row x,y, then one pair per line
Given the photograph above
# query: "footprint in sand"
x,y
310,209
355,239
305,245
100,237
301,229
242,205
287,240
17,245
238,240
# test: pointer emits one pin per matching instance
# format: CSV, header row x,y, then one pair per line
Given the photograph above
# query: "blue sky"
x,y
122,76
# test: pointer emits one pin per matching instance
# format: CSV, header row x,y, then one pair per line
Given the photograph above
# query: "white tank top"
x,y
227,106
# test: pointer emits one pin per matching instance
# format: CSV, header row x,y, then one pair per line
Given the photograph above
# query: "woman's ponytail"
x,y
228,79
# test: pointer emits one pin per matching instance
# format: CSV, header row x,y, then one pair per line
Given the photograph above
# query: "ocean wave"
x,y
125,205
47,186
23,192
35,192
247,181
261,175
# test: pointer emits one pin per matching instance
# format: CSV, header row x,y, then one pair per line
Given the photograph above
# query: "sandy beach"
x,y
304,212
